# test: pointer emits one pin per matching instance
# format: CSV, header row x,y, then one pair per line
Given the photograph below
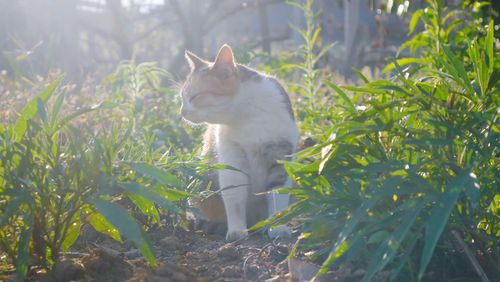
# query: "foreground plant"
x,y
56,175
407,160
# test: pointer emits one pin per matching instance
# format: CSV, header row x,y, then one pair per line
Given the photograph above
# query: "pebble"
x,y
253,271
67,270
231,271
171,243
229,251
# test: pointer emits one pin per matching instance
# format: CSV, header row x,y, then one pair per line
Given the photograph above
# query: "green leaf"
x,y
389,188
489,44
61,123
172,194
56,109
438,219
41,110
102,225
387,250
162,176
378,236
152,195
119,217
358,215
146,206
11,209
31,109
457,69
350,106
23,249
414,20
404,62
360,75
71,235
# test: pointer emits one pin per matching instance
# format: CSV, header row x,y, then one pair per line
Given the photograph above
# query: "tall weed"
x,y
403,161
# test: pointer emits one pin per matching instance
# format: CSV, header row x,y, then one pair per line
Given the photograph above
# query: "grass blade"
x,y
349,104
438,218
31,109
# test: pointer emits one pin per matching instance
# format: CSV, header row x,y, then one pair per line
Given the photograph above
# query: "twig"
x,y
477,267
73,254
261,251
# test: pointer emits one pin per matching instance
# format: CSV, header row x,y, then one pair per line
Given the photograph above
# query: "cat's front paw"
x,y
235,235
281,231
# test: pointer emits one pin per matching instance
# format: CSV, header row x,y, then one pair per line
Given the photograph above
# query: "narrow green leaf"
x,y
403,62
102,225
61,123
160,175
360,75
359,214
457,67
119,217
31,108
151,195
23,249
350,106
71,235
389,188
56,109
388,249
41,110
489,44
315,36
146,206
414,20
438,219
10,210
172,194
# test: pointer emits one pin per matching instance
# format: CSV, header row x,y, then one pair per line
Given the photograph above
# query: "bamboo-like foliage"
x,y
402,161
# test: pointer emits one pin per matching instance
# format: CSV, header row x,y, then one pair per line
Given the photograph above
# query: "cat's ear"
x,y
225,57
194,61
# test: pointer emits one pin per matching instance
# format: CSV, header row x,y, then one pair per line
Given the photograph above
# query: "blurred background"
x,y
81,37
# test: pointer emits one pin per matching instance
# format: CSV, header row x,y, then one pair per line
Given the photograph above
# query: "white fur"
x,y
257,115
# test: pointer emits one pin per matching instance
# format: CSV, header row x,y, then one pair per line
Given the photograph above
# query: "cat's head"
x,y
210,88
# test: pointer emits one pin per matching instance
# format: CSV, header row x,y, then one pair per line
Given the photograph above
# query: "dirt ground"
x,y
181,256
185,256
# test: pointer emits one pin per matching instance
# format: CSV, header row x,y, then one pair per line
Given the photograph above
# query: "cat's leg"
x,y
235,191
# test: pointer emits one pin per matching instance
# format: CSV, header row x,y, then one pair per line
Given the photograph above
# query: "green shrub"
x,y
62,168
402,161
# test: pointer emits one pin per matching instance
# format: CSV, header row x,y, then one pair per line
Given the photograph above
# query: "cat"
x,y
250,126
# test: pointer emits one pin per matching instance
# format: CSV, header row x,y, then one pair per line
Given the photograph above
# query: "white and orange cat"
x,y
250,127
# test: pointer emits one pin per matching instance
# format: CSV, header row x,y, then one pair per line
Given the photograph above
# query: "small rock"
x,y
252,271
229,251
192,255
171,243
231,271
67,270
163,269
201,268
